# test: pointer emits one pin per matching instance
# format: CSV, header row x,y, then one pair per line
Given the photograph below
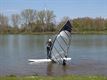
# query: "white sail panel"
x,y
60,47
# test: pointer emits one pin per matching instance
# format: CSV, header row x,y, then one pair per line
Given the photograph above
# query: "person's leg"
x,y
47,53
64,62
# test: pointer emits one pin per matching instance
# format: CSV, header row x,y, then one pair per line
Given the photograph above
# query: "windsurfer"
x,y
49,46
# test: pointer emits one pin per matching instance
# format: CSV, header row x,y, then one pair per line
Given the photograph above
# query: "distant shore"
x,y
51,33
90,32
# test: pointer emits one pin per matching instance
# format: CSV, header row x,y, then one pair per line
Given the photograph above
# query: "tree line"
x,y
29,21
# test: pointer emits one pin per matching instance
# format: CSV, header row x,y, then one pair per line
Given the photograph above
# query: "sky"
x,y
61,8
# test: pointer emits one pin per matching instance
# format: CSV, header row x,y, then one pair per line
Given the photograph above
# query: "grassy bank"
x,y
70,77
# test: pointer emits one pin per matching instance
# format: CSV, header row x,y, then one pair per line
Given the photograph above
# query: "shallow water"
x,y
88,53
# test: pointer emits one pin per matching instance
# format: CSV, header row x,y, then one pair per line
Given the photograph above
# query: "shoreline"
x,y
51,33
64,77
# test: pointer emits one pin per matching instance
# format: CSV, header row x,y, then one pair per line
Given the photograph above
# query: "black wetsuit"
x,y
49,46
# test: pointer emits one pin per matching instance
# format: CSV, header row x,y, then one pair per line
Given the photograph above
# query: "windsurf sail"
x,y
61,43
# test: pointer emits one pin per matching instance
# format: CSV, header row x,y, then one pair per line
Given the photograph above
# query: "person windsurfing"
x,y
49,46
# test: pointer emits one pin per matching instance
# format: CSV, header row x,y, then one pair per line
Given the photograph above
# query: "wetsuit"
x,y
49,45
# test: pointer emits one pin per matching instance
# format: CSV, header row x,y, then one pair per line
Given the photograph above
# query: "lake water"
x,y
88,53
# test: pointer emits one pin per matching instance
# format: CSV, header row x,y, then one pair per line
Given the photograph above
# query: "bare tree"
x,y
28,17
50,18
3,23
63,21
15,18
45,18
41,19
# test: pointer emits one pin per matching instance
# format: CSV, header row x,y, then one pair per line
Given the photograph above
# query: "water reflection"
x,y
57,69
64,69
49,69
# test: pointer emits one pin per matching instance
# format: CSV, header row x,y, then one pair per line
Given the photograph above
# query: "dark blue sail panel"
x,y
67,26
